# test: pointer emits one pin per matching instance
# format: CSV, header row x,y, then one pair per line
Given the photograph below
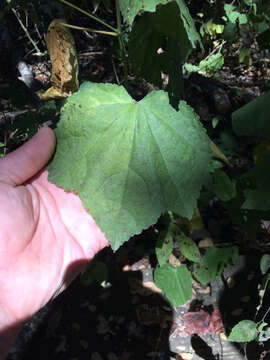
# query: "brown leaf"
x,y
62,50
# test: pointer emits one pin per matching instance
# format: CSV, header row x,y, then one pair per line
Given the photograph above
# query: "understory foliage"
x,y
134,161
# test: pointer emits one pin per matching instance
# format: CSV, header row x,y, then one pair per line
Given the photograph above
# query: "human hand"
x,y
46,236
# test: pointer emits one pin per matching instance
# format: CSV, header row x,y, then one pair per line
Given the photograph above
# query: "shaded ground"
x,y
130,318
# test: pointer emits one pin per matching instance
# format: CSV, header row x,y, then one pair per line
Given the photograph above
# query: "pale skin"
x,y
46,236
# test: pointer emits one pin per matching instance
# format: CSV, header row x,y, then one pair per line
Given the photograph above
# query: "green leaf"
x,y
231,13
175,87
265,263
188,248
130,8
261,325
244,331
259,199
191,68
212,64
214,262
242,19
253,118
225,188
215,122
164,246
212,29
146,54
129,161
189,24
209,66
175,282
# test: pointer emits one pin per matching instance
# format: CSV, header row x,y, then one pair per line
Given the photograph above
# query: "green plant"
x,y
132,162
142,159
248,330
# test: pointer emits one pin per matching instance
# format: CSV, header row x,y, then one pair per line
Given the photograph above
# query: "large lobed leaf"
x,y
129,161
189,24
147,56
130,8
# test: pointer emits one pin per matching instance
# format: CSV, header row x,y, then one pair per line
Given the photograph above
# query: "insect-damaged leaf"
x,y
214,262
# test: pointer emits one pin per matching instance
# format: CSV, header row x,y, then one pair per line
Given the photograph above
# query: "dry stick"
x,y
25,30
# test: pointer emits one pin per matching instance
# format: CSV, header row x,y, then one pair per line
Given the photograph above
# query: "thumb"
x,y
21,164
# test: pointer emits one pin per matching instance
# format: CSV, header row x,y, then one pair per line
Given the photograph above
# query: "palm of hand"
x,y
46,239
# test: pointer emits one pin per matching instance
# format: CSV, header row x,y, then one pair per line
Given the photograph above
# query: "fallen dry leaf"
x,y
62,50
202,323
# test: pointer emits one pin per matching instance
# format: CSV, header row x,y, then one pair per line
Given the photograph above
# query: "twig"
x,y
9,116
25,30
215,49
90,53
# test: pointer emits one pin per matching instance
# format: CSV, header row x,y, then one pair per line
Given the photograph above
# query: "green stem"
x,y
87,14
121,43
90,30
25,30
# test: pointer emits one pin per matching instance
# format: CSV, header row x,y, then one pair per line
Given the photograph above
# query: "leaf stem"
x,y
90,30
88,14
25,30
121,43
